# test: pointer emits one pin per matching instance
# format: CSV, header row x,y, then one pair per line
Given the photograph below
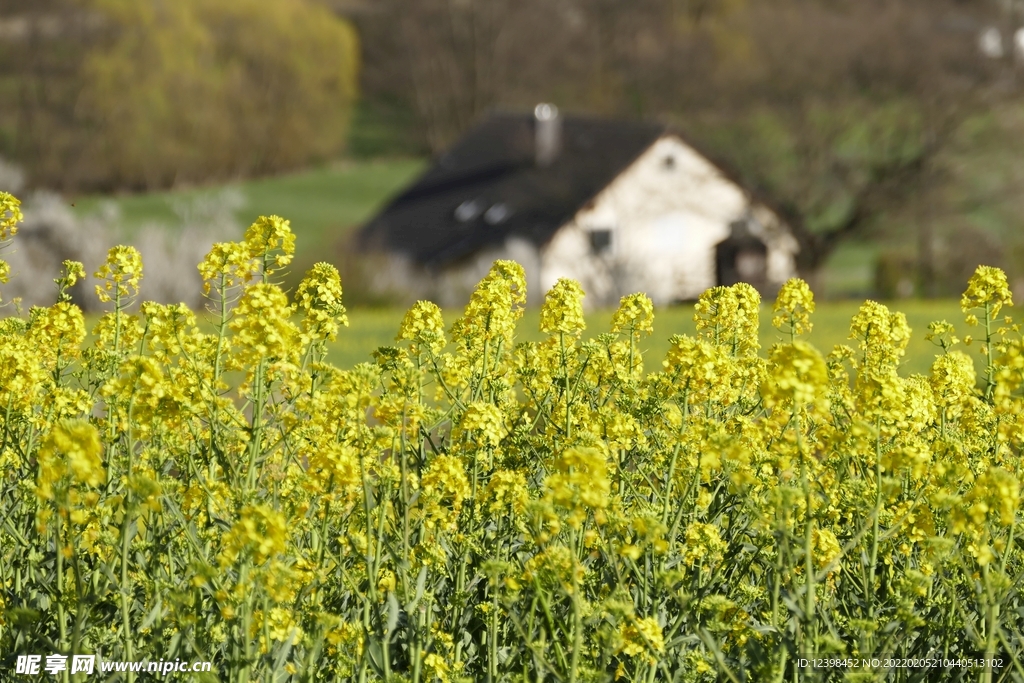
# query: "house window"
x,y
498,213
669,162
600,241
468,210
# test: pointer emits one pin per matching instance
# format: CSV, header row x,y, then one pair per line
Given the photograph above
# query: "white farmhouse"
x,y
621,207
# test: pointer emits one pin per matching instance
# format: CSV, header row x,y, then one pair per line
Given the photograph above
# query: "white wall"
x,y
665,222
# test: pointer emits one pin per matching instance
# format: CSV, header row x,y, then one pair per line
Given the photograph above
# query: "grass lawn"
x,y
323,204
370,328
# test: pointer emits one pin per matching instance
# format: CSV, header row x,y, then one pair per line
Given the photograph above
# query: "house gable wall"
x,y
666,213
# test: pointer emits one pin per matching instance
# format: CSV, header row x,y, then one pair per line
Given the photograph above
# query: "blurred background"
x,y
890,130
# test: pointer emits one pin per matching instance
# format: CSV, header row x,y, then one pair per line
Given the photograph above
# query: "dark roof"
x,y
492,174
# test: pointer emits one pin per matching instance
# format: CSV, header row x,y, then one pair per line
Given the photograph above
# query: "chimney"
x,y
547,134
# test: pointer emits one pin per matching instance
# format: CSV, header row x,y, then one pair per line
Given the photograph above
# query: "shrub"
x,y
466,507
144,94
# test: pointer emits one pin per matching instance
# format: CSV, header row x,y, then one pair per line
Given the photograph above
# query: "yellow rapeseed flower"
x,y
793,307
797,375
120,273
482,425
444,487
494,307
319,297
987,287
263,327
642,637
636,313
230,261
507,494
71,449
267,235
424,326
10,215
260,531
563,309
729,316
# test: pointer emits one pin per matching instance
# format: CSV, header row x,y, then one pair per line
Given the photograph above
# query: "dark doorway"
x,y
742,257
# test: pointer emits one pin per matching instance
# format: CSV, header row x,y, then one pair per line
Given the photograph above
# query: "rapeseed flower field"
x,y
469,507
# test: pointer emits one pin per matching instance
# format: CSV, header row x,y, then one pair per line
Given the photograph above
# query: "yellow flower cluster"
x,y
262,326
987,289
793,308
642,637
319,297
580,483
562,311
227,263
260,532
635,314
267,235
120,274
10,216
444,488
468,508
424,327
69,455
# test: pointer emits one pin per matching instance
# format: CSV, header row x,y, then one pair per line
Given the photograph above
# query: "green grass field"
x,y
370,328
323,204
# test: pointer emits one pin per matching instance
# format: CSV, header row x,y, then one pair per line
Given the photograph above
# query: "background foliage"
x,y
118,94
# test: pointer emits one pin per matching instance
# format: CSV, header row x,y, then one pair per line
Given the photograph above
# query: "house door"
x,y
742,258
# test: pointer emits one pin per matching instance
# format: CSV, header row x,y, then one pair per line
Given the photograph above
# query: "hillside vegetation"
x,y
141,94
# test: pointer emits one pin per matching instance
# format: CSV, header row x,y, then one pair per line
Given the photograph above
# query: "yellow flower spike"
x,y
483,424
10,216
793,307
883,334
73,272
987,287
701,370
704,545
260,531
267,235
636,313
563,309
580,483
494,308
826,548
263,327
72,448
424,326
57,330
953,380
797,375
120,274
444,486
507,494
642,637
437,668
228,260
729,317
319,297
942,334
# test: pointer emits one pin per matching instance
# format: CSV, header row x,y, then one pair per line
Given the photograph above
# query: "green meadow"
x,y
370,328
323,204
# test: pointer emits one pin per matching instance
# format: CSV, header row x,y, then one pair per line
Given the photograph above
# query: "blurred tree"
x,y
834,109
146,93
